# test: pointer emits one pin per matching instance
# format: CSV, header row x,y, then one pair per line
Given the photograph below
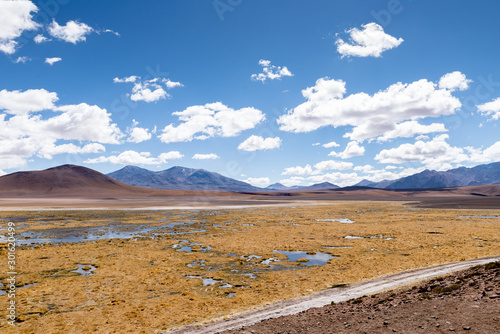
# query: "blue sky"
x,y
253,90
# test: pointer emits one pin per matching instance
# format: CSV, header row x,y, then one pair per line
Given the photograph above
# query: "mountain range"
x,y
458,177
77,186
65,179
182,178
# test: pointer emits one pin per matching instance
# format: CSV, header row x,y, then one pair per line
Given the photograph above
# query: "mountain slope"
x,y
65,179
319,186
180,178
459,177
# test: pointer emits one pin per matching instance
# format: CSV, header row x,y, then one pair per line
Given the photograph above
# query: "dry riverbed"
x,y
147,271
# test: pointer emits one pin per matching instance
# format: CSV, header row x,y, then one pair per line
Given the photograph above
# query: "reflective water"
x,y
317,259
113,230
3,292
210,281
341,220
85,269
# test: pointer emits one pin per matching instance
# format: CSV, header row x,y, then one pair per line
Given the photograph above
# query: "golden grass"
x,y
140,284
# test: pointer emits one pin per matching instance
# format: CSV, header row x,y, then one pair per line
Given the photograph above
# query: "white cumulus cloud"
x,y
32,100
333,165
434,154
370,115
53,60
258,181
172,155
270,72
138,134
330,145
24,132
210,120
151,90
132,78
257,143
50,150
40,39
453,81
298,170
337,178
353,149
210,156
491,109
15,18
319,168
293,181
72,32
410,129
129,158
370,41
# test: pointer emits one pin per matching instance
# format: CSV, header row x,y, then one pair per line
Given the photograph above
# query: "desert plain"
x,y
151,270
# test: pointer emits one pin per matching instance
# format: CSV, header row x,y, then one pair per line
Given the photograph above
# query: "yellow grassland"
x,y
140,284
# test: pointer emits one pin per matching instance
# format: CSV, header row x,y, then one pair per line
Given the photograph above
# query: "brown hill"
x,y
62,180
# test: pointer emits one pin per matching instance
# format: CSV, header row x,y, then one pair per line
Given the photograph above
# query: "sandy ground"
x,y
336,295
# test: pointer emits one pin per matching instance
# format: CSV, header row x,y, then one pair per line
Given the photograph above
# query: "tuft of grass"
x,y
446,289
492,265
358,300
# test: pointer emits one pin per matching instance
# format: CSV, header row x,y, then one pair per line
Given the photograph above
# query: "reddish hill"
x,y
66,180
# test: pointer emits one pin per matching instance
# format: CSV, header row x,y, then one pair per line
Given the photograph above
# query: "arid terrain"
x,y
154,270
466,301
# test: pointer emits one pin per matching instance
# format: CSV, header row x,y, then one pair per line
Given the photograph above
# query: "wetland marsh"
x,y
147,271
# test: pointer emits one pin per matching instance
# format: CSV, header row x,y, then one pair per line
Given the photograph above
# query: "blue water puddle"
x,y
200,263
341,220
187,246
307,260
317,259
210,281
113,230
3,292
85,269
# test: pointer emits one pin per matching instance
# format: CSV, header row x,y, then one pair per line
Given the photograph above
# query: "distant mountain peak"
x,y
277,186
181,178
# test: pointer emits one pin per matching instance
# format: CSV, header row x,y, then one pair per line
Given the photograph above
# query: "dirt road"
x,y
296,305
